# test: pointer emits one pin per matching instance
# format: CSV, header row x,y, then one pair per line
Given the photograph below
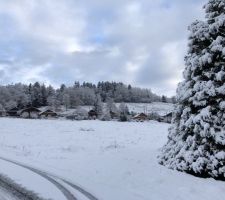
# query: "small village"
x,y
82,113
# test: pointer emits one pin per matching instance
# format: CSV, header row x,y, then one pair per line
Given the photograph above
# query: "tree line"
x,y
37,95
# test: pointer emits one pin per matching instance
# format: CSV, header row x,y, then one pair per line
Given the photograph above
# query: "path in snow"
x,y
5,195
63,187
9,190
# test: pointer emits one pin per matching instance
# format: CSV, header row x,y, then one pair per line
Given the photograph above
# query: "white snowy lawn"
x,y
113,160
155,107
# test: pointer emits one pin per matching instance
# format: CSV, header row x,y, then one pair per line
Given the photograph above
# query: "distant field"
x,y
157,107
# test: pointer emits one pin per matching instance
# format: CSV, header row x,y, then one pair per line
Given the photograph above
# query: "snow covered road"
x,y
68,189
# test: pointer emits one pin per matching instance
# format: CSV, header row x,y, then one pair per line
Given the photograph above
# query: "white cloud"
x,y
139,42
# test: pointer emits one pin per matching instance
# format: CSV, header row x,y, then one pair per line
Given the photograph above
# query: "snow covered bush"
x,y
82,114
124,112
196,141
98,106
106,116
33,115
25,115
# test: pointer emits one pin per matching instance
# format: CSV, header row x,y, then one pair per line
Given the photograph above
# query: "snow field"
x,y
155,107
111,160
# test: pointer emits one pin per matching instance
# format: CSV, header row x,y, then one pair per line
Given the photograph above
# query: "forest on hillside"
x,y
22,95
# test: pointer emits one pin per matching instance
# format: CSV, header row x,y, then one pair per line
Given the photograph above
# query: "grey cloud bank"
x,y
60,41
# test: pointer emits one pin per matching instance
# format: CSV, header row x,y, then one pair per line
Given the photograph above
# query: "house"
x,y
140,117
13,112
92,114
114,115
2,113
48,114
30,112
167,118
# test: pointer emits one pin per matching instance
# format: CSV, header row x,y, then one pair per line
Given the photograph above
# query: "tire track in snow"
x,y
81,190
66,192
53,179
10,190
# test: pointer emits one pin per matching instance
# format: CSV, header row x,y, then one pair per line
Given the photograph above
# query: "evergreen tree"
x,y
111,106
66,101
196,141
111,110
44,95
164,99
37,98
30,94
124,112
98,106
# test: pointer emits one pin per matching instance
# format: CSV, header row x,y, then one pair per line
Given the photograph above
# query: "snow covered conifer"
x,y
124,111
196,141
66,100
110,105
98,106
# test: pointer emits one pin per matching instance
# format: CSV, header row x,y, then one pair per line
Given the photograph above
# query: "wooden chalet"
x,y
167,118
2,113
48,114
92,114
30,112
141,117
113,115
14,112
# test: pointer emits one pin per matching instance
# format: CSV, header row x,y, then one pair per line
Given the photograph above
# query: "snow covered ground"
x,y
112,160
155,107
5,195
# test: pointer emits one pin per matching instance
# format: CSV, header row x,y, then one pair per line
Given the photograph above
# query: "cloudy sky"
x,y
141,42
